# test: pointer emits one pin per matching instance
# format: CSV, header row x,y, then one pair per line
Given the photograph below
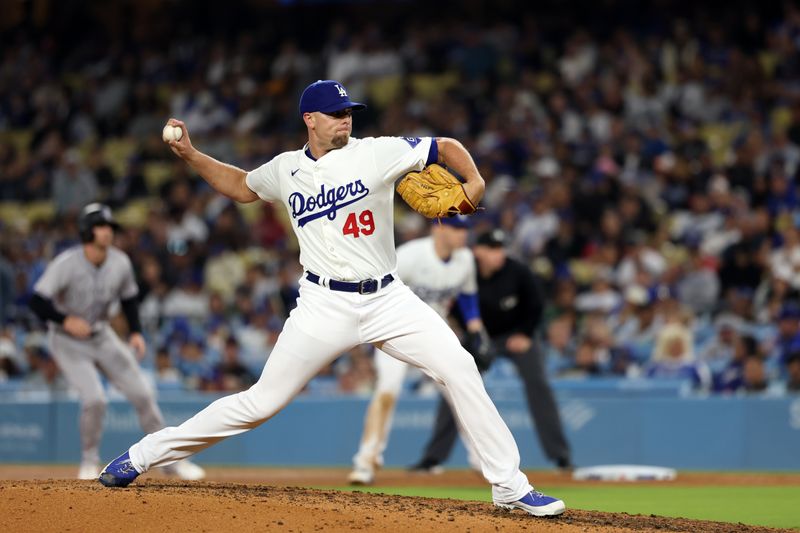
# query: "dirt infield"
x,y
274,500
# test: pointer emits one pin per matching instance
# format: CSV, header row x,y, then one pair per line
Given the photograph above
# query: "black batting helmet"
x,y
94,215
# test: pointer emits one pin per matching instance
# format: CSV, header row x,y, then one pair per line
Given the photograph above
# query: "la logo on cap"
x,y
326,96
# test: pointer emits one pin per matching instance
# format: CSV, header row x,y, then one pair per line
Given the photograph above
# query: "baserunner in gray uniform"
x,y
74,296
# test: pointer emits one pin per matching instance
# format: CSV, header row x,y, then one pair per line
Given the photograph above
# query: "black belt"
x,y
365,286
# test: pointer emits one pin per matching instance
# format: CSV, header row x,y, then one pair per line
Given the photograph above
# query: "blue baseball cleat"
x,y
119,473
537,504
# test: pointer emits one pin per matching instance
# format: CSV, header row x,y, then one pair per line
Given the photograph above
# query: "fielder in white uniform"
x,y
339,192
74,296
439,269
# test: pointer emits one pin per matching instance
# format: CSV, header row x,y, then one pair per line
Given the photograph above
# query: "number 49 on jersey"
x,y
363,224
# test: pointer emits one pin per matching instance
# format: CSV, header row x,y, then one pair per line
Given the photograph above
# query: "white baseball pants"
x,y
326,323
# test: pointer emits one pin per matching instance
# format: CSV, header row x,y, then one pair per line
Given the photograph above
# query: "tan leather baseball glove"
x,y
434,192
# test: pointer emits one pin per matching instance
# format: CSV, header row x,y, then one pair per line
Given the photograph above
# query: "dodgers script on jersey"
x,y
341,206
436,282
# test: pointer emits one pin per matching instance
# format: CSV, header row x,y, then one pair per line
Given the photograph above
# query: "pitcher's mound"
x,y
156,505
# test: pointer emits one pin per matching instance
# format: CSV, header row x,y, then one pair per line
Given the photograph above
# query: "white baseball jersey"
x,y
341,205
436,282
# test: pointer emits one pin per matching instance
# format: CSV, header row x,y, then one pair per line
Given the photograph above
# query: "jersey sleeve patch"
x,y
412,141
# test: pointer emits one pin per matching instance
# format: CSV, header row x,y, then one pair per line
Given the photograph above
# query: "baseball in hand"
x,y
171,133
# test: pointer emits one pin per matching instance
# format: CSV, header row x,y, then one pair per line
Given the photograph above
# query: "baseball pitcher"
x,y
339,193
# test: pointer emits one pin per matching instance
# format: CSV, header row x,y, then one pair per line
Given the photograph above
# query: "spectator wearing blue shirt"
x,y
731,378
788,333
674,358
718,352
192,362
636,327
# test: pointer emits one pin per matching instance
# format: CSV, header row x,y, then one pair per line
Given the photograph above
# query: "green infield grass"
x,y
765,506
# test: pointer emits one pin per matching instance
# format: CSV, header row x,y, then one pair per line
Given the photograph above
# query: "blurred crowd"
x,y
645,171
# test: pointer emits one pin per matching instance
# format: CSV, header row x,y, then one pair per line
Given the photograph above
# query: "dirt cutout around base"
x,y
159,505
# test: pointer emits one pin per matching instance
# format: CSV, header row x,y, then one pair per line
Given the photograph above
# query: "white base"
x,y
624,473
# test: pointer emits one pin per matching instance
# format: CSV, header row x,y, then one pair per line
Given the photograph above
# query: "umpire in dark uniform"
x,y
511,302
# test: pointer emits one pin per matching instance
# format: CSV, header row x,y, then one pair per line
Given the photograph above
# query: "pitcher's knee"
x,y
460,369
261,404
466,364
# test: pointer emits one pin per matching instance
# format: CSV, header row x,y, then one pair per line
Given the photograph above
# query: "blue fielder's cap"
x,y
326,96
457,221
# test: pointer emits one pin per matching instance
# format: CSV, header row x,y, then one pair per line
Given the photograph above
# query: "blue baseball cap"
x,y
456,221
326,96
